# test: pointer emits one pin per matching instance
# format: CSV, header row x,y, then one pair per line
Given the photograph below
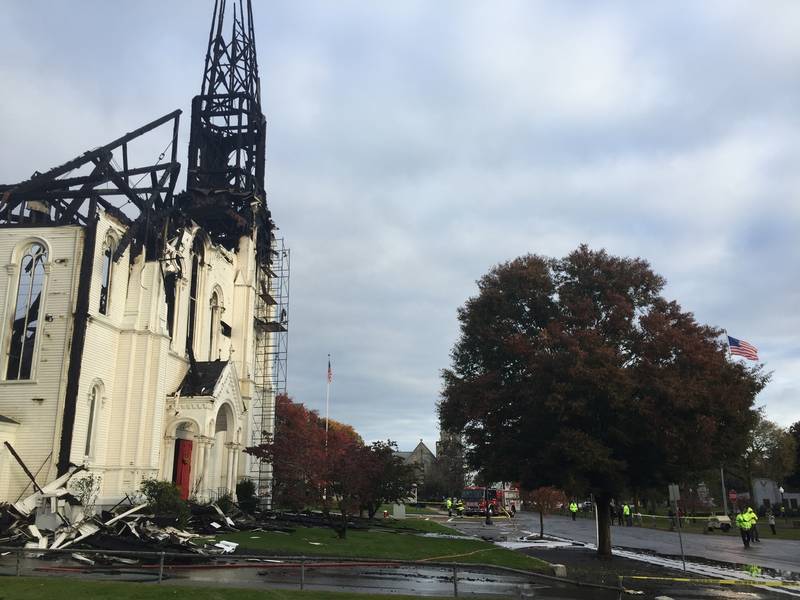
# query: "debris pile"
x,y
53,518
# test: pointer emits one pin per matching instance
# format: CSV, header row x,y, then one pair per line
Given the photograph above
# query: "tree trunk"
x,y
344,524
604,526
541,524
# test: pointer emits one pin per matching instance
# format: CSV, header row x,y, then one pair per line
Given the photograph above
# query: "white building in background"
x,y
141,329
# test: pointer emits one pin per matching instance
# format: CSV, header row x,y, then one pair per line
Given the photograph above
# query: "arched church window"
x,y
27,311
105,284
216,309
170,289
197,260
93,396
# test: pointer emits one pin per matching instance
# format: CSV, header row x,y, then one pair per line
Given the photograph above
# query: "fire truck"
x,y
497,500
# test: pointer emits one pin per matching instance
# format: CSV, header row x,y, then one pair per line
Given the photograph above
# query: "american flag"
x,y
330,371
742,348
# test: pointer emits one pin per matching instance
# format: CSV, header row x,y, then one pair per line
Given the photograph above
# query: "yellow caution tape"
x,y
675,517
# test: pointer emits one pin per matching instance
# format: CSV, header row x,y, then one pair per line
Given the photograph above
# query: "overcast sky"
x,y
413,145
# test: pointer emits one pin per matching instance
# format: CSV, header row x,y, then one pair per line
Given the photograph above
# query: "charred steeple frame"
x,y
225,175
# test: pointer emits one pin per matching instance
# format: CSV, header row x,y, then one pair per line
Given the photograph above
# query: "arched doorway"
x,y
222,469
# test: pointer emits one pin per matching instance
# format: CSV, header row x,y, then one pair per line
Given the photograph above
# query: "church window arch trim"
x,y
94,403
25,320
216,308
195,291
107,273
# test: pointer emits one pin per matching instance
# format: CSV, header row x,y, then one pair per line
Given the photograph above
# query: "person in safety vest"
x,y
573,509
751,514
449,507
460,508
626,510
744,524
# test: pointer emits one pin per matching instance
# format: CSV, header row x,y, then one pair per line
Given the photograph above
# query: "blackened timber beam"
x,y
120,182
91,155
78,341
72,209
80,194
24,467
69,182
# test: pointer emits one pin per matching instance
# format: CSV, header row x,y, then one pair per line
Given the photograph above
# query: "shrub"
x,y
164,499
225,502
86,488
246,494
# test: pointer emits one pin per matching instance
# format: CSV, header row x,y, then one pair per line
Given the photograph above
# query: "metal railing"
x,y
301,563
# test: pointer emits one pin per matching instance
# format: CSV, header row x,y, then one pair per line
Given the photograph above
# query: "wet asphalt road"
x,y
781,555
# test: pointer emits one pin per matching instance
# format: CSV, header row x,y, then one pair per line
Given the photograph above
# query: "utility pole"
x,y
724,491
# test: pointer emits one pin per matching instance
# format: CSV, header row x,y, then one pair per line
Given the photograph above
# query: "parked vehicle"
x,y
721,522
478,500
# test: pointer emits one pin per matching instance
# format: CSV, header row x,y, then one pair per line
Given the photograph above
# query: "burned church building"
x,y
143,329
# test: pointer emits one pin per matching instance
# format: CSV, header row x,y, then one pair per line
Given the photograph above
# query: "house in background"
x,y
767,493
422,458
141,329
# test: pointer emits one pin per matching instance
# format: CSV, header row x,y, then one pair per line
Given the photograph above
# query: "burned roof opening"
x,y
225,179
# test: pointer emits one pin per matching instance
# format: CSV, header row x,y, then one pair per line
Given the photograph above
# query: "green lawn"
x,y
381,542
416,524
36,588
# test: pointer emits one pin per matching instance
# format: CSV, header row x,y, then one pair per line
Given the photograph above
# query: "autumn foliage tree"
x,y
578,373
297,455
330,470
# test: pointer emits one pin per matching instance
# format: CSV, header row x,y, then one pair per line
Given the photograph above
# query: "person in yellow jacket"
x,y
449,504
626,511
744,524
573,509
751,514
460,508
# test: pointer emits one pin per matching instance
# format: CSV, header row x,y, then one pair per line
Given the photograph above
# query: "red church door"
x,y
182,469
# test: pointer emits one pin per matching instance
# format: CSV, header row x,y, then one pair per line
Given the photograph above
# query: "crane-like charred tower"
x,y
225,171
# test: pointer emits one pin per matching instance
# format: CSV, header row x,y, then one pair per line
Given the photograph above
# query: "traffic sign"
x,y
674,492
732,495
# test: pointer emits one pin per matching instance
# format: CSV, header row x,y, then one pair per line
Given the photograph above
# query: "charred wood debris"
x,y
53,518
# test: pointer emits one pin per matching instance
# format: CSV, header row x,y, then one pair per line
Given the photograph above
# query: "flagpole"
x,y
327,401
728,344
328,378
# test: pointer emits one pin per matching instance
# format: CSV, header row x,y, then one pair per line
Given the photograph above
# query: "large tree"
x,y
771,452
793,480
577,373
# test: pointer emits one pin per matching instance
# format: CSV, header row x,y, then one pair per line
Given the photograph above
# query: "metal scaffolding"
x,y
272,347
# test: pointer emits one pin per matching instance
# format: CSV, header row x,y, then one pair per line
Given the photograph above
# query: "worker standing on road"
x,y
449,507
771,521
573,509
626,510
743,523
751,514
460,507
